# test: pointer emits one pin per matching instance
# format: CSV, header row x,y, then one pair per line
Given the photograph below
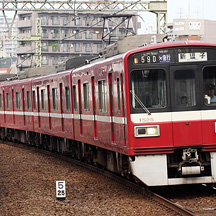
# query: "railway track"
x,y
164,203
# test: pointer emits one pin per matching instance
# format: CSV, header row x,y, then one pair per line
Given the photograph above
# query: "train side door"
x,y
186,119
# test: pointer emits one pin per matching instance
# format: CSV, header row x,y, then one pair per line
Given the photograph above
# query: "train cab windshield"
x,y
149,86
169,79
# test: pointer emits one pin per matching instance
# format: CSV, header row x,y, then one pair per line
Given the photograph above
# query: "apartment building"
x,y
65,35
7,46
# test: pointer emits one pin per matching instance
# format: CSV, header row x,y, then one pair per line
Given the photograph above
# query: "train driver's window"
x,y
184,82
209,82
148,87
0,101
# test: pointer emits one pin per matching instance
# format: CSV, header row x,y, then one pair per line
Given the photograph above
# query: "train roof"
x,y
170,45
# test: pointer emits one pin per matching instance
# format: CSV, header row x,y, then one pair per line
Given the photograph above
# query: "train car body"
x,y
149,113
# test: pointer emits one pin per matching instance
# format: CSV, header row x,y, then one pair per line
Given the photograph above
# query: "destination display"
x,y
178,55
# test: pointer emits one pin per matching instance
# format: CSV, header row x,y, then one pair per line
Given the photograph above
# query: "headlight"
x,y
147,131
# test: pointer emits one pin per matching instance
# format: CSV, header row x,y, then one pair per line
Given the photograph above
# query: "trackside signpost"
x,y
60,190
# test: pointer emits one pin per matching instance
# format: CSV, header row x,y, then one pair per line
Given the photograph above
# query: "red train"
x,y
149,113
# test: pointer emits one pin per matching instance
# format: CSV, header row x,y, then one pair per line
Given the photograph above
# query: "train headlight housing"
x,y
147,131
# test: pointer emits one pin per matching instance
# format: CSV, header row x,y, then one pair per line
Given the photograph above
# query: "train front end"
x,y
172,118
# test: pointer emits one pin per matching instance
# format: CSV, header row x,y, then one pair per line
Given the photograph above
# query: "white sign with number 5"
x,y
60,190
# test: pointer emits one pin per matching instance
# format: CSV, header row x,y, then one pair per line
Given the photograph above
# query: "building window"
x,y
44,20
43,99
55,20
78,35
86,97
54,60
99,21
64,20
88,20
77,21
74,98
55,99
68,98
88,35
65,47
44,47
55,33
44,60
88,47
28,100
99,47
64,33
34,100
18,100
102,95
77,47
44,33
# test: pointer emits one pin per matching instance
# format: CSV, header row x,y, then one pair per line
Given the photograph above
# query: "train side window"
x,y
8,97
18,100
68,98
34,100
28,100
118,94
55,99
0,101
74,98
43,99
86,97
102,95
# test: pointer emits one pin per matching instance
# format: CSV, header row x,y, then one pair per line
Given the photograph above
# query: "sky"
x,y
196,9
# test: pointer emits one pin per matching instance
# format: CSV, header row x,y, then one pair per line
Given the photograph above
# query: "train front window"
x,y
184,84
148,86
209,81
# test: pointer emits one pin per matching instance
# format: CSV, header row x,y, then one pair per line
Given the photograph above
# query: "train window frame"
x,y
55,98
28,95
184,97
102,96
209,84
43,100
68,98
135,105
34,100
8,97
118,83
74,90
18,101
0,101
86,96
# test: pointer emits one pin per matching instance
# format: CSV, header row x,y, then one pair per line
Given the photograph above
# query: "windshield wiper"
x,y
140,102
